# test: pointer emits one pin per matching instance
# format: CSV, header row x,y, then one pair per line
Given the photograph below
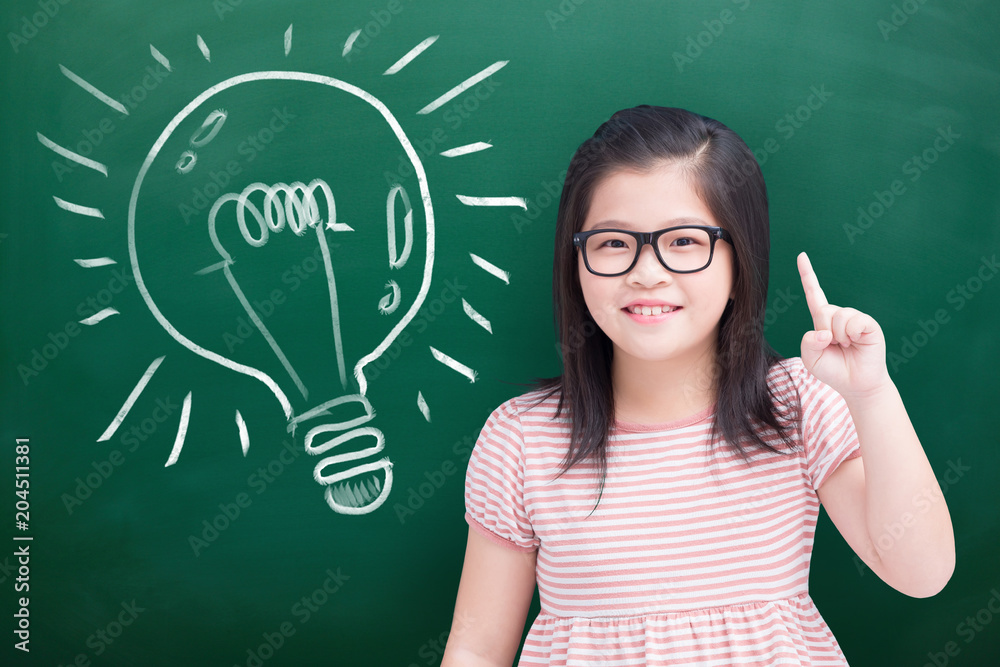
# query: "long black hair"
x,y
725,174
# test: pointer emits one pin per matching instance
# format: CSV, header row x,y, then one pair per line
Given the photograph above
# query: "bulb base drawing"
x,y
356,490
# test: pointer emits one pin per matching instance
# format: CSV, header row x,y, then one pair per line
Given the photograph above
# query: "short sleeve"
x,y
828,433
494,483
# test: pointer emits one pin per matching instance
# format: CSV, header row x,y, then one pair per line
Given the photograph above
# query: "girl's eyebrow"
x,y
675,222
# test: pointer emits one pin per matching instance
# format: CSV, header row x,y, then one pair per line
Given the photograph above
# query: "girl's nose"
x,y
648,270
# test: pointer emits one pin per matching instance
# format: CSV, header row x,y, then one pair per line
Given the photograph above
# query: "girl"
x,y
663,491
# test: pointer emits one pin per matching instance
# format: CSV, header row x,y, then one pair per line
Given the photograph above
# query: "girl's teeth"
x,y
651,310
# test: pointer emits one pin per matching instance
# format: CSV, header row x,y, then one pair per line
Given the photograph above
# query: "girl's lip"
x,y
651,319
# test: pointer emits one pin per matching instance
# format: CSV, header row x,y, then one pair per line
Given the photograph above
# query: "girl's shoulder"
x,y
790,380
531,406
784,374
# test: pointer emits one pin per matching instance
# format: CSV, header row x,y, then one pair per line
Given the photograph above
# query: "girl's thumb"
x,y
816,341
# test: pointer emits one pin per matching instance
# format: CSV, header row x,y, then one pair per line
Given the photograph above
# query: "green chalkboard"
x,y
242,241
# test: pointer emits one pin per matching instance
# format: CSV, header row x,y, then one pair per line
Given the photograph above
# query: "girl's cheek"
x,y
604,315
600,316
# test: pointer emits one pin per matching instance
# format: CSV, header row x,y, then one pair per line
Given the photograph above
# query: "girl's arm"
x,y
887,504
493,598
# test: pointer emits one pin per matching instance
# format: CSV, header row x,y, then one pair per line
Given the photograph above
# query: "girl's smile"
x,y
645,311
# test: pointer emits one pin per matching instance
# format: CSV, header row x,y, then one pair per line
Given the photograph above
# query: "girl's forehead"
x,y
654,199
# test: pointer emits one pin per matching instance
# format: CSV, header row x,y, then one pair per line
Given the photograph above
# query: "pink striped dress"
x,y
691,558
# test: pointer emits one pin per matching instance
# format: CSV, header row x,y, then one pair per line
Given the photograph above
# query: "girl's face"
x,y
646,202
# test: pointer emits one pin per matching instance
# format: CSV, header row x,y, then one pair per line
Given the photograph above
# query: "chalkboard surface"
x,y
267,268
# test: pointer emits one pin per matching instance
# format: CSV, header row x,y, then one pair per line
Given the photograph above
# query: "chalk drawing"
x,y
468,83
349,44
117,106
186,162
98,316
422,406
76,208
476,317
490,268
182,428
388,304
130,401
213,123
466,149
399,261
300,208
160,58
410,55
75,157
493,201
363,498
97,261
368,493
203,47
454,365
244,433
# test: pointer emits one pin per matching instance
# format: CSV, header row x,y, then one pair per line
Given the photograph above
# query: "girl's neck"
x,y
663,391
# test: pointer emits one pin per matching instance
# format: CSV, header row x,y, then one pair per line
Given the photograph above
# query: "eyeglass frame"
x,y
652,238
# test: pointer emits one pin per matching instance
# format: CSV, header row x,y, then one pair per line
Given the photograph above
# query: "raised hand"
x,y
846,348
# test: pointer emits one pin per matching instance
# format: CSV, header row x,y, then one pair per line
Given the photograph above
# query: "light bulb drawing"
x,y
306,188
261,211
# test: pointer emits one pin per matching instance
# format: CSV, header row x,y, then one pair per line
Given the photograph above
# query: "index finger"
x,y
815,298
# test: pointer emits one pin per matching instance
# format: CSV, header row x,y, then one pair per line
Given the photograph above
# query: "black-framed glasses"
x,y
615,252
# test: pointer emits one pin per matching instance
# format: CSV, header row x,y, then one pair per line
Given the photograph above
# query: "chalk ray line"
x,y
466,149
160,58
453,364
468,83
410,55
143,381
476,317
349,44
288,39
203,47
98,316
244,435
492,269
77,208
70,155
493,201
422,405
182,428
117,106
95,262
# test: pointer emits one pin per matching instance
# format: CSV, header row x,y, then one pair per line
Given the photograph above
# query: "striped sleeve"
x,y
494,483
828,432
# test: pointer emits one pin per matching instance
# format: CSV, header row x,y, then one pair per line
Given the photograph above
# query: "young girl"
x,y
663,491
